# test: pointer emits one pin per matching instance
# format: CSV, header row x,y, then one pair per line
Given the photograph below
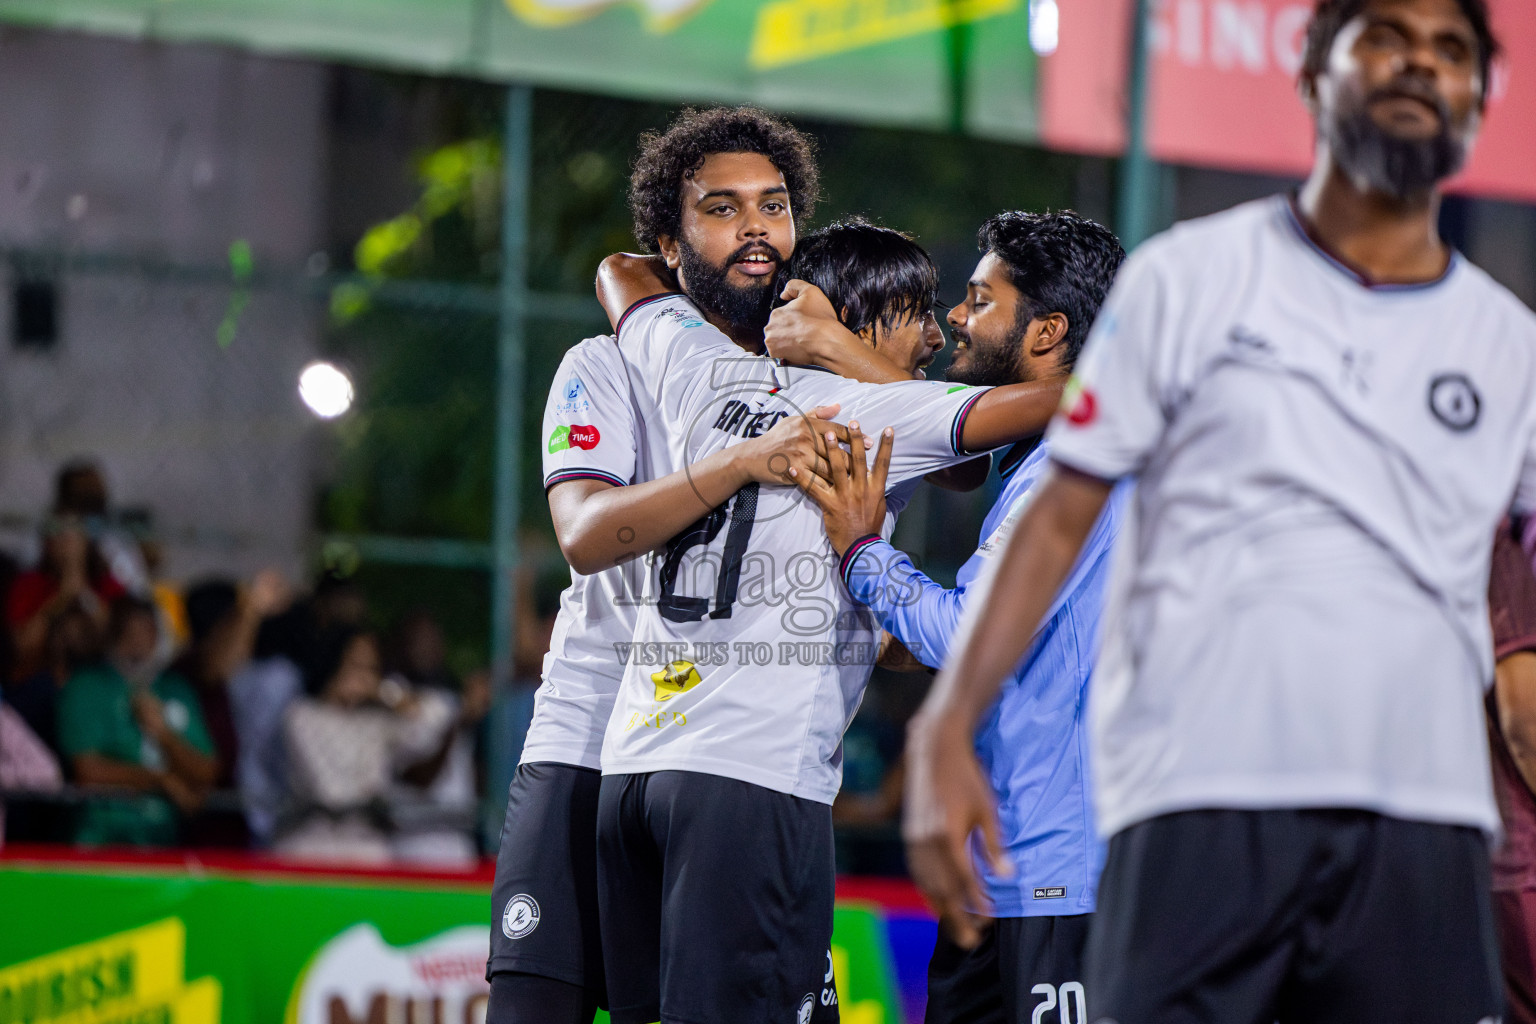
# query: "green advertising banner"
x,y
145,947
966,64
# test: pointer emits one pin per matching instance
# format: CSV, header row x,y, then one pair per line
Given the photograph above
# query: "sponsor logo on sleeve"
x,y
577,435
1051,892
574,401
1079,404
684,317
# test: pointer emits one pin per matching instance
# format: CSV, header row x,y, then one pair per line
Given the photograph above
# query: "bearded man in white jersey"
x,y
723,755
546,960
546,964
1328,412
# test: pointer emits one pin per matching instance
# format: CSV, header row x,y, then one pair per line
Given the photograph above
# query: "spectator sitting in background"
x,y
125,727
259,695
74,642
340,602
138,526
71,574
223,621
436,819
418,652
80,490
344,746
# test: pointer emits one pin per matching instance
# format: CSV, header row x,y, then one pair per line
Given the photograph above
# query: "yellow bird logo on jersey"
x,y
678,677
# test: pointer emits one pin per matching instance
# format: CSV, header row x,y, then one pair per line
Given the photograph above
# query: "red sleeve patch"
x,y
1079,404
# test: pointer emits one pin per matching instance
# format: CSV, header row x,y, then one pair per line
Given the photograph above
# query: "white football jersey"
x,y
749,658
1298,614
588,434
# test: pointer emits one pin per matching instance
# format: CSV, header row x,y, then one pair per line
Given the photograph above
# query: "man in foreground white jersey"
x,y
723,754
1328,412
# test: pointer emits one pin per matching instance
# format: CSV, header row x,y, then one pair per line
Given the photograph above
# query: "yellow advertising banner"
x,y
133,977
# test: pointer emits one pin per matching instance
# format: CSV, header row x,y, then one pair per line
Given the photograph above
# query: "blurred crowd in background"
x,y
247,714
263,715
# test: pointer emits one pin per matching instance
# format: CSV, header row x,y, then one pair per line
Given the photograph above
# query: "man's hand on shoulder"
x,y
625,278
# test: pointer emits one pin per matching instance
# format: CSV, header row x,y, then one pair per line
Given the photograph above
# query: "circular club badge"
x,y
521,916
1454,401
807,1007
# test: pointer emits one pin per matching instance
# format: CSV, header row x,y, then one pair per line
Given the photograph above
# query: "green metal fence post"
x,y
1139,187
511,344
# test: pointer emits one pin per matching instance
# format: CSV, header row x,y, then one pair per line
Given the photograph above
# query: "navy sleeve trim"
x,y
642,303
957,429
561,476
852,554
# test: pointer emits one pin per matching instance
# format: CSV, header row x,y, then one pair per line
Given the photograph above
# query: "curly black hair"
x,y
669,157
871,274
1330,17
1060,263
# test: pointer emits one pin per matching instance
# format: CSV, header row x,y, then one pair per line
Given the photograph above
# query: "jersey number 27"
x,y
680,608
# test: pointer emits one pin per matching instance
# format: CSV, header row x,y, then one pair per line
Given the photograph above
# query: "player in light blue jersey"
x,y
1026,314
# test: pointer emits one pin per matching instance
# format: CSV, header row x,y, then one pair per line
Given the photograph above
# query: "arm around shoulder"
x,y
624,279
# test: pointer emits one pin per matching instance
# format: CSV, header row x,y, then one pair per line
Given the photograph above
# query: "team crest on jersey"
x,y
807,1007
1455,402
1079,404
521,916
678,677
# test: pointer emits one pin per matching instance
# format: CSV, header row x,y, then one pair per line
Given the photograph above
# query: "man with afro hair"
x,y
734,287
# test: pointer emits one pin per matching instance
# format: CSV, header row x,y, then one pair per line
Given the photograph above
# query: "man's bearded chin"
x,y
706,285
991,365
1382,162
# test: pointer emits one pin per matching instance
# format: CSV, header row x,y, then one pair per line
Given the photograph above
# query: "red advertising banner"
x,y
1223,89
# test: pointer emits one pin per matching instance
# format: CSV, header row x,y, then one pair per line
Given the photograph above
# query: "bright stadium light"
x,y
326,390
1044,26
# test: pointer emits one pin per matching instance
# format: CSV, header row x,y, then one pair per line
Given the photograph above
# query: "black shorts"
x,y
1027,970
544,900
716,899
1320,916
